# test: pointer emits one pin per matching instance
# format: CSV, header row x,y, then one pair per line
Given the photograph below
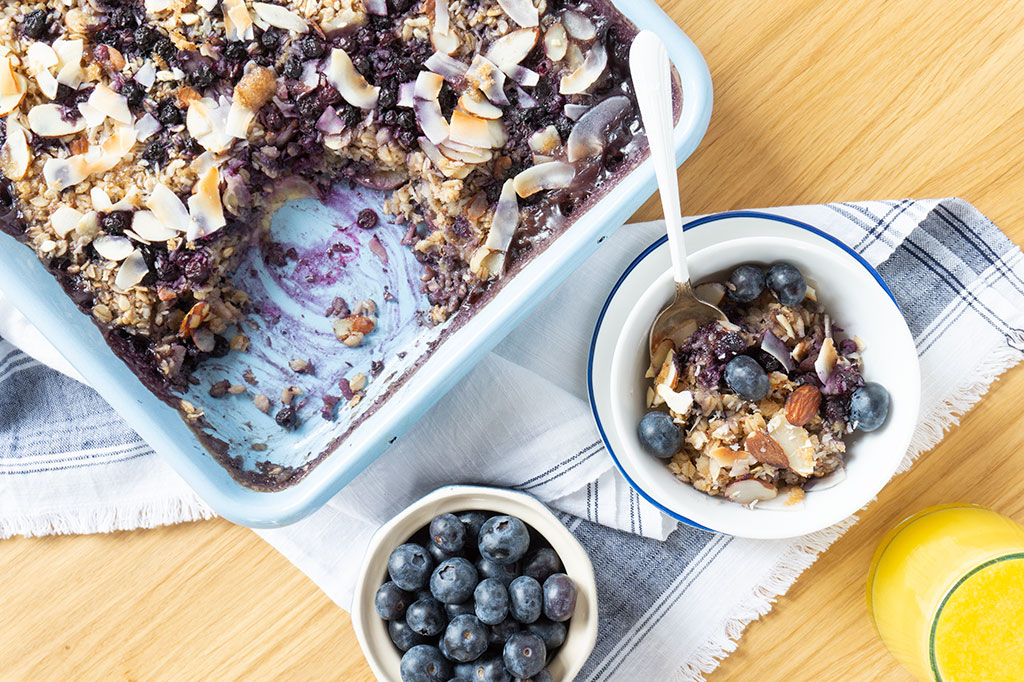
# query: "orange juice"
x,y
946,594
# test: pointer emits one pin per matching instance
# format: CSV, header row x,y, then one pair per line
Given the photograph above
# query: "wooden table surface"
x,y
816,100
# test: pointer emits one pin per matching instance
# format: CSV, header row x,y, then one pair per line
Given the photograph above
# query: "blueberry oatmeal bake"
x,y
760,406
145,144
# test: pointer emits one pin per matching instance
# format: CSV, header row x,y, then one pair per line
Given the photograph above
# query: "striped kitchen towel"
x,y
67,464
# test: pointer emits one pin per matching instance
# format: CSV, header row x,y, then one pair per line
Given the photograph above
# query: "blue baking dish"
x,y
39,297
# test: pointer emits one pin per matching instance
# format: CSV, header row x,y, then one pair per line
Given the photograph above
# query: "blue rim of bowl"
x,y
646,252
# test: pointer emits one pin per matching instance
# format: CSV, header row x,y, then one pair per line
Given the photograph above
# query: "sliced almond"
x,y
473,102
94,118
498,133
100,199
113,247
579,26
446,43
750,491
149,227
546,141
679,402
157,6
554,175
465,154
669,373
15,155
580,80
40,58
521,11
46,120
342,74
64,173
826,360
206,213
280,17
448,167
489,79
65,219
511,49
133,269
556,42
13,86
168,208
69,68
110,103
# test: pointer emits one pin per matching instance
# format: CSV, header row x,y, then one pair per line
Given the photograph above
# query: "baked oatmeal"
x,y
759,406
146,143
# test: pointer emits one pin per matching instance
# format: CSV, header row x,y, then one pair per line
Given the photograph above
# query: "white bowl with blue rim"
x,y
854,295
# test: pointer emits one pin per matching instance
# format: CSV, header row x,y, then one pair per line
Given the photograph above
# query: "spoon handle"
x,y
649,67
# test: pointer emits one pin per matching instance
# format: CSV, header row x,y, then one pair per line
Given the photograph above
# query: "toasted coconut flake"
x,y
580,80
64,173
239,119
100,199
206,213
64,219
342,74
448,67
147,127
168,209
473,102
523,76
521,11
678,402
280,17
237,20
407,94
442,21
133,269
772,345
448,167
579,26
710,292
556,42
376,7
146,75
498,133
428,85
554,175
511,49
69,67
546,141
470,130
431,120
15,155
149,227
329,122
489,79
464,153
45,120
113,247
589,135
826,360
505,220
795,442
750,491
40,58
13,86
110,103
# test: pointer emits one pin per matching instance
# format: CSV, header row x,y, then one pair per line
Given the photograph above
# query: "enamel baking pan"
x,y
292,324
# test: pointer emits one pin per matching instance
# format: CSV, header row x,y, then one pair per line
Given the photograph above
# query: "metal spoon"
x,y
649,67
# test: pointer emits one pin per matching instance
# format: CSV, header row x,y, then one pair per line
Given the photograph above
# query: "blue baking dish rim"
x,y
636,261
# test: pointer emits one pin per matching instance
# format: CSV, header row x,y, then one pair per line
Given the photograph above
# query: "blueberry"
x,y
285,418
453,580
465,639
35,25
391,601
410,566
542,676
746,378
438,554
270,39
403,636
491,600
203,76
659,435
503,539
490,670
542,563
165,49
168,113
489,569
472,520
424,663
116,222
311,45
465,608
145,37
499,634
747,283
463,671
787,284
559,597
869,406
553,634
134,93
426,617
524,654
367,220
460,679
446,531
526,599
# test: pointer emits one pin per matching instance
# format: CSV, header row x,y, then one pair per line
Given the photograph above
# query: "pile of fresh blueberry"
x,y
476,598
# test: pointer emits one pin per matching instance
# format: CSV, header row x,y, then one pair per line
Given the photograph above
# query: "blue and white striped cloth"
x,y
68,464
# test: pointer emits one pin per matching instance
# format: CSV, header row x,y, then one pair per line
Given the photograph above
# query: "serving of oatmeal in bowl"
x,y
782,420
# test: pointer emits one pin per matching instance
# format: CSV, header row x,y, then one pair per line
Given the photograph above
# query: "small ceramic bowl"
x,y
384,658
853,294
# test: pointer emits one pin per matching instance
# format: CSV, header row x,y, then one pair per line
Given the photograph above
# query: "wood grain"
x,y
815,101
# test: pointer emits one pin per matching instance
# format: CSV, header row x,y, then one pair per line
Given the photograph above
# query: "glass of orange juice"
x,y
946,594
